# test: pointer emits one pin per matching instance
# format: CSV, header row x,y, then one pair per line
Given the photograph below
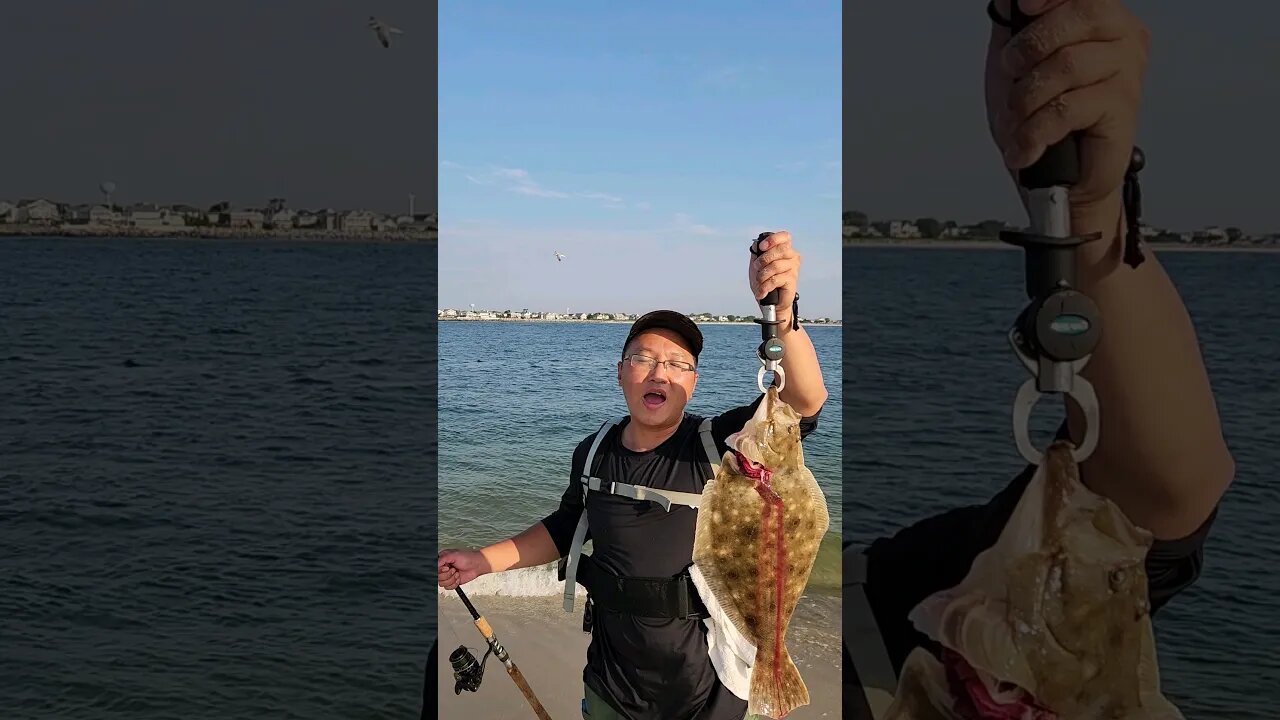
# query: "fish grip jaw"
x,y
1061,378
779,376
1055,334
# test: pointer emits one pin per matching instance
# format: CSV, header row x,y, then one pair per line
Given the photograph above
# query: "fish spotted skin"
x,y
760,523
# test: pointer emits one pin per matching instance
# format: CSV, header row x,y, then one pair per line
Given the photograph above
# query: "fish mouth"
x,y
978,695
654,398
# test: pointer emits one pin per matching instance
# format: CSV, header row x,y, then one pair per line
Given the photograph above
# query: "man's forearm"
x,y
528,549
804,389
1161,455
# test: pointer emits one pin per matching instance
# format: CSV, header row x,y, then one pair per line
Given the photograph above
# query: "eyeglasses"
x,y
648,364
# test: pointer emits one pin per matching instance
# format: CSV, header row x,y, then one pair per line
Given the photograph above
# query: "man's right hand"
x,y
459,567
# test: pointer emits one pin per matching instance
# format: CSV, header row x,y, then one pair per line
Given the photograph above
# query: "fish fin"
x,y
923,692
774,694
819,499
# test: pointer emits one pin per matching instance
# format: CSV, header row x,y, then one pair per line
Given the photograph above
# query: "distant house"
x,y
6,211
37,212
1212,235
147,215
103,215
247,219
319,220
282,218
77,214
219,214
903,229
357,220
188,213
421,222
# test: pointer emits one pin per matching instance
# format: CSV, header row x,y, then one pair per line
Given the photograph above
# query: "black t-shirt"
x,y
649,668
429,682
936,553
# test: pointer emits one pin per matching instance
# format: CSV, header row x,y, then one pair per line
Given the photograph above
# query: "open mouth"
x,y
979,696
654,399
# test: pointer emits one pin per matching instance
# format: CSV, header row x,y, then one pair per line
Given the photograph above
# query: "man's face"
x,y
657,395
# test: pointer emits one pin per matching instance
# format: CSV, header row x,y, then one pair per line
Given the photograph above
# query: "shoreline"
x,y
998,245
212,233
549,647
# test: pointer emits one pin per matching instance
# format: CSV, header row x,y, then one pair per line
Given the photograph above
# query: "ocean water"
x,y
216,478
517,397
929,381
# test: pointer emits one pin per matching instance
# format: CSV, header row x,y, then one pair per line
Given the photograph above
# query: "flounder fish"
x,y
759,526
1051,623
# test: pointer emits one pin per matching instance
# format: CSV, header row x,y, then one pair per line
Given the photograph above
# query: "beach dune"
x,y
550,649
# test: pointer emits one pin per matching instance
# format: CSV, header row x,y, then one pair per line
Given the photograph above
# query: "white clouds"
x,y
609,201
685,224
731,77
519,181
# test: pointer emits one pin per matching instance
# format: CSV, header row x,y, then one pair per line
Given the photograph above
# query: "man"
x,y
428,683
640,666
1161,456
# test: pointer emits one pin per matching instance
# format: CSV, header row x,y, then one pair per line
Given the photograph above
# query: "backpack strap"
x,y
580,533
862,638
709,446
664,498
591,483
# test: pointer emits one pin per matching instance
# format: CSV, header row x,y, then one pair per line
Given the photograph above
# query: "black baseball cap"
x,y
669,320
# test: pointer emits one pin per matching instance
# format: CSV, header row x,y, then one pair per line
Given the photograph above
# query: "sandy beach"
x,y
549,647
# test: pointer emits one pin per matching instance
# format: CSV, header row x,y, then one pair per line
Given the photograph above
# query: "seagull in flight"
x,y
560,256
383,30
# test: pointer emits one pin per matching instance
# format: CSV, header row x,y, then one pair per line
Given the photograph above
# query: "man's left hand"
x,y
778,267
1078,65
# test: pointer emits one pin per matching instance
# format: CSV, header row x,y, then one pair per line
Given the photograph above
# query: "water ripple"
x,y
216,493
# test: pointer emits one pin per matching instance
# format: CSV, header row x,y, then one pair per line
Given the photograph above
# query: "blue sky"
x,y
648,142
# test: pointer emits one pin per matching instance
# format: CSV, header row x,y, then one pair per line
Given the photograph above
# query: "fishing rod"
x,y
468,672
771,348
1057,331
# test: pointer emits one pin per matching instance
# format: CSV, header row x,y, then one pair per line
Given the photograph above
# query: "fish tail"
x,y
775,691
